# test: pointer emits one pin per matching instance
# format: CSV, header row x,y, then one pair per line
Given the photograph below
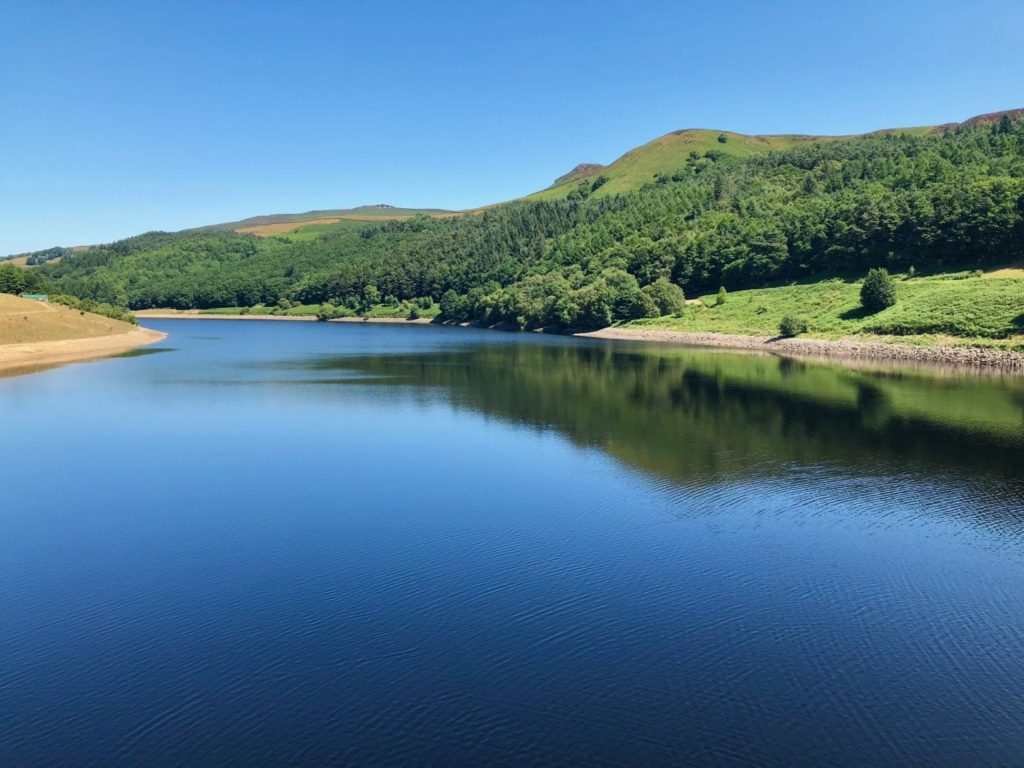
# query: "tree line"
x,y
952,198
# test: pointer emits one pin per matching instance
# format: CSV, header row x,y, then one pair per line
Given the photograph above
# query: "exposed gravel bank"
x,y
841,349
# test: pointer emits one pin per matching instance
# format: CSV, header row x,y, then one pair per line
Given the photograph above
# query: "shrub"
x,y
96,308
792,326
878,291
667,296
414,313
722,294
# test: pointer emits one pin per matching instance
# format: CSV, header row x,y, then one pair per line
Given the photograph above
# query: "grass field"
x,y
24,321
985,310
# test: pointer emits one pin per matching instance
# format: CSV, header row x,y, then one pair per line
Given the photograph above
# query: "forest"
x,y
950,199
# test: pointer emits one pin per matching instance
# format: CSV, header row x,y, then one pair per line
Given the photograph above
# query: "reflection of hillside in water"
x,y
694,415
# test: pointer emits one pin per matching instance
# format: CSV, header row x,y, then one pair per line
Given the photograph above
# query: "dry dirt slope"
x,y
34,336
23,321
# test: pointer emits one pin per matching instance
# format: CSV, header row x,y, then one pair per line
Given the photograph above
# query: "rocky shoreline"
x,y
841,349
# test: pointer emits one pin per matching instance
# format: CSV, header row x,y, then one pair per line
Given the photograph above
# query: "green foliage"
x,y
96,308
667,296
737,215
878,291
594,306
327,312
792,326
15,280
722,296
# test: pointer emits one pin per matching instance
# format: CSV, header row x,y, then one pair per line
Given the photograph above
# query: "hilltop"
x,y
284,223
666,154
639,167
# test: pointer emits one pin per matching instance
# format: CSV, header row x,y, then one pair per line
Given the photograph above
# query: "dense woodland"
x,y
826,208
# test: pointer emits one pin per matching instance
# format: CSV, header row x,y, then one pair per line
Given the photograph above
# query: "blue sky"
x,y
123,117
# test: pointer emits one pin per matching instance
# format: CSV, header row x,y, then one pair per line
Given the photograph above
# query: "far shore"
x,y
28,357
847,349
194,314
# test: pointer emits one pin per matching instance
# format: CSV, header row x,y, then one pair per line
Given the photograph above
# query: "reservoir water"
x,y
265,543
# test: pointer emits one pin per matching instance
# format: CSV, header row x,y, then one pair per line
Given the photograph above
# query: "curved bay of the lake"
x,y
276,543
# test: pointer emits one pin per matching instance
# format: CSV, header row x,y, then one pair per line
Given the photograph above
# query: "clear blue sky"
x,y
122,117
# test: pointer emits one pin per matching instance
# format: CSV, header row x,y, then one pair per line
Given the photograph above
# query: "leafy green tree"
x,y
453,306
792,326
878,290
11,279
595,305
722,296
667,296
371,296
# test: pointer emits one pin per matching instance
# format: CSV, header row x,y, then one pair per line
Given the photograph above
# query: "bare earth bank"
x,y
842,349
26,357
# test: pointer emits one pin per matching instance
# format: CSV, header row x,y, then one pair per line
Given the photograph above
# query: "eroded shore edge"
x,y
847,349
28,357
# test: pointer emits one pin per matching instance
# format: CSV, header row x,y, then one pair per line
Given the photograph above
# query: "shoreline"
x,y
847,349
850,349
28,357
156,314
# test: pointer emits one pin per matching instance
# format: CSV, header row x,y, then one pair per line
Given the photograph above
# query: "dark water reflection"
x,y
680,412
308,544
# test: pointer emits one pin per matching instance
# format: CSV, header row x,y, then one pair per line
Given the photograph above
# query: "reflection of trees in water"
x,y
693,415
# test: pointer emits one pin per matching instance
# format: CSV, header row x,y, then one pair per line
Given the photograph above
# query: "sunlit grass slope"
x,y
984,307
23,321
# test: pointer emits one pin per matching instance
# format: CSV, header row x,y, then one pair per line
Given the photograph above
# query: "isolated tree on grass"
x,y
878,291
722,294
792,326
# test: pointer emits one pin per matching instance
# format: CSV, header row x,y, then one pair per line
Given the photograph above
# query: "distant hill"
x,y
668,153
636,168
581,171
281,223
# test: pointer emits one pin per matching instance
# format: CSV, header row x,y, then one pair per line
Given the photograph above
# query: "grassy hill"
x,y
668,153
289,223
981,308
807,215
633,170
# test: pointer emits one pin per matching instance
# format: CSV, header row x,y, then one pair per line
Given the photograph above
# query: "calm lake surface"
x,y
288,543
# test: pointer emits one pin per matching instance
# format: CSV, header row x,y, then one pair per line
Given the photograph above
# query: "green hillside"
x,y
801,220
976,306
666,154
